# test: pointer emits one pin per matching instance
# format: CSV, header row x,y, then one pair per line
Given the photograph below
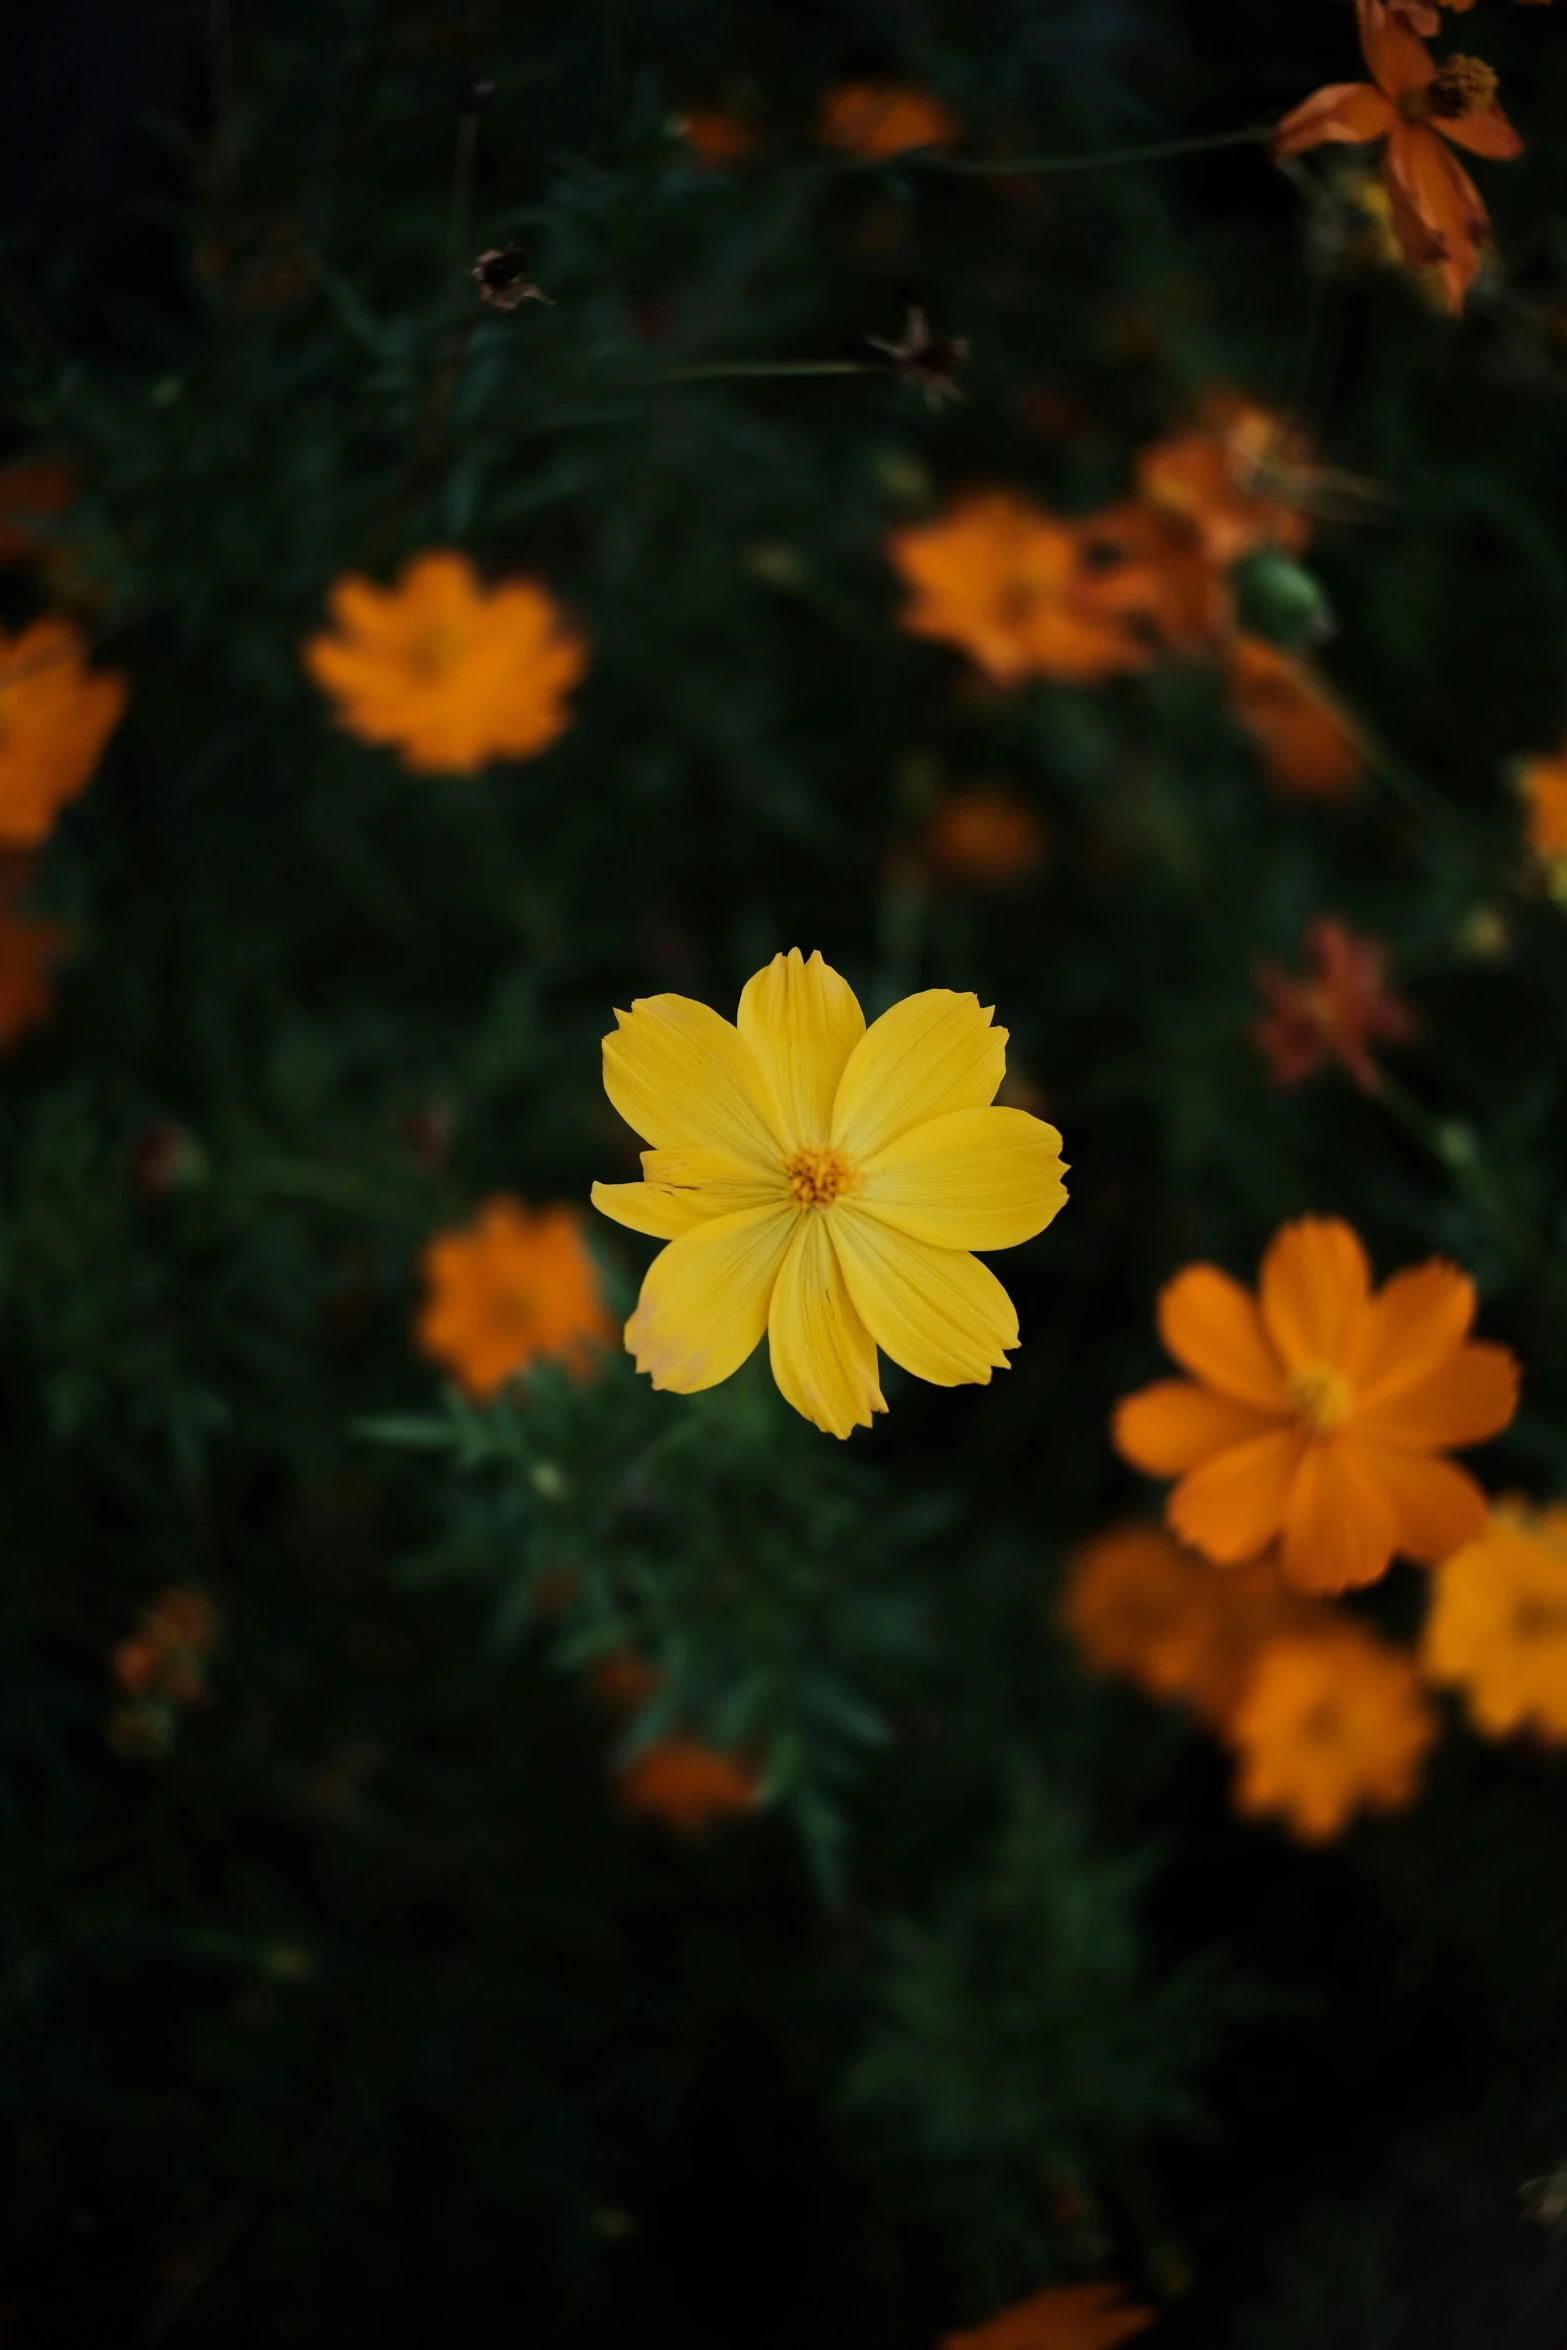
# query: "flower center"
x,y
1460,87
439,651
1538,1619
820,1174
1321,1396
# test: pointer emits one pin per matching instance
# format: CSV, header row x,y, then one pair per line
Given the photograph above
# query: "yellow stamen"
x,y
1322,1397
819,1175
1460,87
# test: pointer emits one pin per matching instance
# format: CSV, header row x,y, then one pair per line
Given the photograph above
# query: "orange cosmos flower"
x,y
716,137
1417,106
1062,2317
1149,568
55,717
33,494
877,119
1543,783
687,1785
29,951
1227,473
452,673
1306,745
1008,584
1498,1624
1319,1412
515,1287
986,837
1333,1014
1331,1722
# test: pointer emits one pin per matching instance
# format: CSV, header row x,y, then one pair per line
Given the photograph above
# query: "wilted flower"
x,y
1335,1013
1417,106
824,1182
1497,1626
877,119
927,361
515,1287
1307,746
452,673
56,714
1319,1412
1062,2317
504,277
1331,1723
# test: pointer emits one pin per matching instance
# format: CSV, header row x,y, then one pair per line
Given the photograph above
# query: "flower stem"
x,y
1453,1143
1108,159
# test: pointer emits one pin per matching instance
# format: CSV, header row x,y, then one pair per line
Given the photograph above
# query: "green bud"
x,y
1280,600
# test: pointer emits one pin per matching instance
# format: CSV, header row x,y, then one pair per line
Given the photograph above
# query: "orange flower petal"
x,y
1339,1526
1315,1288
1487,133
1439,192
1345,113
1415,1319
1212,1327
1398,59
1172,1426
1462,1400
1233,1506
1437,1507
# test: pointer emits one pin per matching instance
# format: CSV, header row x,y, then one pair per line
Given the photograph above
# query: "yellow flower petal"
x,y
650,1207
802,1022
682,1077
930,1055
937,1311
824,1358
705,1299
974,1179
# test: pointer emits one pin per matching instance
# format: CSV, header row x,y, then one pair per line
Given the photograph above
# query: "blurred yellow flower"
x,y
1497,1628
824,1182
451,673
55,717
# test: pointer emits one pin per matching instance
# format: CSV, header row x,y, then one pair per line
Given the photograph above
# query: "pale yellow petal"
x,y
802,1022
649,1207
937,1311
824,1358
974,1179
930,1055
681,1077
705,1299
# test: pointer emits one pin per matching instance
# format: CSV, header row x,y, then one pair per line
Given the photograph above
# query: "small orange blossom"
x,y
1333,1014
1330,1722
515,1287
55,717
687,1785
1497,1628
877,119
986,837
1306,745
1062,2317
1224,472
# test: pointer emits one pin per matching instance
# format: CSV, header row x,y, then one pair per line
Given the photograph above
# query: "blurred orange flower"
x,y
451,673
1417,106
1227,473
34,493
1497,1627
687,1785
1307,747
1331,1723
1319,1412
515,1287
1140,1605
1008,584
29,950
1148,568
1543,783
986,837
1062,2317
1335,1013
166,1659
716,137
56,714
624,1679
875,119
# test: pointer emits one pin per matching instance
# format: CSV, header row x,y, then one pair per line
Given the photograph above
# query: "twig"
x,y
1109,159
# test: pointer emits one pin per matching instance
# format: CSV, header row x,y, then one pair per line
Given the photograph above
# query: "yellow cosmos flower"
x,y
823,1182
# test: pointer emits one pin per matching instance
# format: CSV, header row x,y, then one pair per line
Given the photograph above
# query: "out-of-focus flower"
x,y
1237,472
451,673
1417,106
1011,586
1320,1412
56,715
30,947
1062,2317
1331,1723
515,1287
1148,569
34,493
624,1679
927,361
687,1785
1307,746
1497,1626
985,837
504,277
166,1659
824,1183
877,119
1336,1012
716,137
1543,783
166,1157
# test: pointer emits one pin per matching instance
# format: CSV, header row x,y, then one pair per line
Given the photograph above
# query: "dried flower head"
x,y
1331,1723
504,277
56,715
1335,1013
927,361
515,1287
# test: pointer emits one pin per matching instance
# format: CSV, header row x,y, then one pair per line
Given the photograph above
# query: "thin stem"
x,y
1456,1147
726,370
1109,159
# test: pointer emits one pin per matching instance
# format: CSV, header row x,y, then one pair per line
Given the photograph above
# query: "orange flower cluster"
x,y
1497,1627
515,1287
55,717
1422,110
29,950
452,674
873,120
1027,593
687,1785
1319,1412
162,1666
1335,1013
985,837
1063,2317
